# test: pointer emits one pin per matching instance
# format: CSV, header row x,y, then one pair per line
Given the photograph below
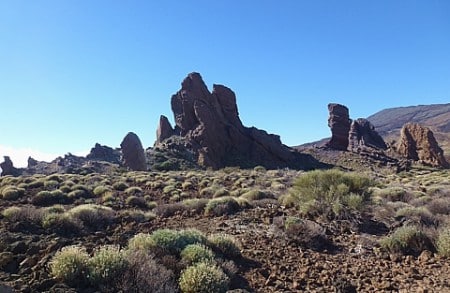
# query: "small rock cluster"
x,y
351,135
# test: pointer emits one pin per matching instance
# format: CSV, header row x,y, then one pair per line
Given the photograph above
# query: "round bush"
x,y
195,253
175,241
408,240
443,243
12,193
70,264
107,263
203,278
225,245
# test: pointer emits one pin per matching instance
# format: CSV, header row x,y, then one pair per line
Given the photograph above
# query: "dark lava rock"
x,y
339,123
8,167
164,130
104,153
209,125
133,153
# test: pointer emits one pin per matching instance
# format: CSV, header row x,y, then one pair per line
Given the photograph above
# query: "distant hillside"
x,y
389,122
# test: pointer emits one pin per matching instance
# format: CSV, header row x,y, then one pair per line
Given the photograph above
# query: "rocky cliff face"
x,y
418,143
363,134
339,123
104,153
8,167
209,124
133,154
164,129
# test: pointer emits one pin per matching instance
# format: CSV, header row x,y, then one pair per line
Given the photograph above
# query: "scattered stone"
x,y
339,123
417,143
133,153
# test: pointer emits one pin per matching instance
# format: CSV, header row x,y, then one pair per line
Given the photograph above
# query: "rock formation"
x,y
133,154
164,130
104,153
208,123
8,167
363,134
339,122
418,143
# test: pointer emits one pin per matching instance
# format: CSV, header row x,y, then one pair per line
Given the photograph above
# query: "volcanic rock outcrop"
x,y
164,130
133,154
104,153
8,167
419,144
209,125
363,134
339,122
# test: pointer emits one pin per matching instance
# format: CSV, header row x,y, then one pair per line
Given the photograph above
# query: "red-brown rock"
x,y
210,125
418,143
339,122
133,154
164,129
363,134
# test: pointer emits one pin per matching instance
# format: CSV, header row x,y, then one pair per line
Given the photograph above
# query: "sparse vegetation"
x,y
204,278
330,193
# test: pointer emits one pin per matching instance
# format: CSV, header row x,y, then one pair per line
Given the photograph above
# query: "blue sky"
x,y
74,73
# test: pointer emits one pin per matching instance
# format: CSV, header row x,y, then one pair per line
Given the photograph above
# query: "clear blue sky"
x,y
73,73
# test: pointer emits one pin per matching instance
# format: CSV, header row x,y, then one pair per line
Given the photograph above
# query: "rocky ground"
x,y
271,261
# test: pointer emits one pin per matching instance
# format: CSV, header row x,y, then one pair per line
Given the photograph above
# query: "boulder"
x,y
339,123
8,167
208,124
164,129
104,153
363,134
419,144
133,154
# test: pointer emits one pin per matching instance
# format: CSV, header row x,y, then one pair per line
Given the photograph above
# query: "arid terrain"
x,y
283,247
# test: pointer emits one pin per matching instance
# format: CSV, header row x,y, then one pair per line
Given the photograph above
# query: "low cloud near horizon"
x,y
19,156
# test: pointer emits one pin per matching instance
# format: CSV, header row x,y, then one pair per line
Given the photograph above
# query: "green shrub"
x,y
101,190
391,193
194,253
225,245
70,265
92,215
23,214
418,215
407,240
61,223
256,194
175,241
45,198
443,243
226,205
141,241
136,201
120,186
331,193
203,278
107,264
12,192
51,184
134,190
221,192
